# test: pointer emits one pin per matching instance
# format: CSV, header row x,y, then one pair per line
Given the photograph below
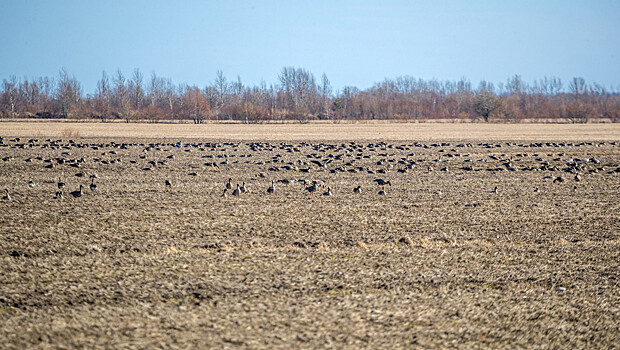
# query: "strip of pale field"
x,y
322,132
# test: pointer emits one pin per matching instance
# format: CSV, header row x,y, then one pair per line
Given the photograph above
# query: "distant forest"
x,y
297,95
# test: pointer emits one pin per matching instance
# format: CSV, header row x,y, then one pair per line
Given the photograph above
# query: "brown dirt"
x,y
439,261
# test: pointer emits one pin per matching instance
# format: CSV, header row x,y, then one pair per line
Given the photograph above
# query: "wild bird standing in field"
x,y
31,184
76,194
242,188
58,195
168,183
223,195
92,186
7,196
358,189
328,192
61,184
495,190
228,184
312,188
272,188
382,191
237,191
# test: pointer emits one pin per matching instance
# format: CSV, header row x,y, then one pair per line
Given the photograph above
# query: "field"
x,y
498,236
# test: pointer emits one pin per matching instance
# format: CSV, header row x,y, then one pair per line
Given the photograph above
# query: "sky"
x,y
355,43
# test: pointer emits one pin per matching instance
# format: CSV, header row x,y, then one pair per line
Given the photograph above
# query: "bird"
x,y
358,189
223,195
31,184
242,188
7,196
328,192
237,191
495,190
577,178
271,188
168,184
228,184
536,189
93,186
382,192
76,194
61,184
59,195
382,182
558,179
312,188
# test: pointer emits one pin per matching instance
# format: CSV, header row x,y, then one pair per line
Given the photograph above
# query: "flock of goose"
x,y
351,157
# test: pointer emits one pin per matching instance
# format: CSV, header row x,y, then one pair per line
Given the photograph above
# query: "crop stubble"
x,y
439,261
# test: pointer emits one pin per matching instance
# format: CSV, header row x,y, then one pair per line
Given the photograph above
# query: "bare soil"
x,y
441,260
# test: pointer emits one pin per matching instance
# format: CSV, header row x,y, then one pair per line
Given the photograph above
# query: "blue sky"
x,y
355,43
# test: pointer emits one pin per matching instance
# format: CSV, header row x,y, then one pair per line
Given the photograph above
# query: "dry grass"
x,y
322,132
438,262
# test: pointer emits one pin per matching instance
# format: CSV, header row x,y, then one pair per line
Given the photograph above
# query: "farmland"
x,y
488,235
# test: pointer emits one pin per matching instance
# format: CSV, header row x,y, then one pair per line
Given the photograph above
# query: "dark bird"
x,y
382,182
76,194
168,184
558,179
61,184
223,195
237,191
242,188
358,189
328,192
7,196
271,188
228,184
312,188
93,186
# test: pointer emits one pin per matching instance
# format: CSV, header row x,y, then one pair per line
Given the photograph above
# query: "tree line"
x,y
297,95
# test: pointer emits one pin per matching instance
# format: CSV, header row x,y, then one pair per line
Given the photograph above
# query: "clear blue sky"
x,y
354,42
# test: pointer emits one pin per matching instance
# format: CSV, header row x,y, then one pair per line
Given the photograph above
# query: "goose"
x,y
558,179
536,189
77,193
312,188
237,191
328,192
358,189
59,195
31,184
382,182
93,186
242,188
223,195
381,192
7,196
271,188
228,184
577,178
495,190
61,184
168,184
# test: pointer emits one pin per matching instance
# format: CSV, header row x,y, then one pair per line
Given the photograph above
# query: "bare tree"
x,y
9,88
104,97
121,96
487,104
68,93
